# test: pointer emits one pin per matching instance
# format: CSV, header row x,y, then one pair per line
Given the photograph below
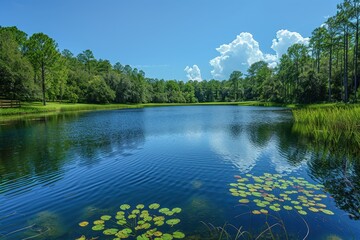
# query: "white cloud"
x,y
193,73
237,55
245,50
284,39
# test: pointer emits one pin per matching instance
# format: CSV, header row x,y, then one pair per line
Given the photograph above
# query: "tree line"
x,y
33,68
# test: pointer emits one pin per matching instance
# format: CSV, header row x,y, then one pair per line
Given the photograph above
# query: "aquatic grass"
x,y
336,124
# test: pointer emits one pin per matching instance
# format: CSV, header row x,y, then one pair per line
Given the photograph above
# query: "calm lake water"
x,y
58,171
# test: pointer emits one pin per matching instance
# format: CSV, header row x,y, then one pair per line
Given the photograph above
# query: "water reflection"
x,y
35,152
175,156
340,174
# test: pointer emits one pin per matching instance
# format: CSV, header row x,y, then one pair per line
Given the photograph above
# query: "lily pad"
x,y
302,212
83,224
167,236
140,206
105,217
264,211
99,222
173,221
178,234
287,208
154,206
328,212
98,227
176,210
244,200
110,231
125,207
256,212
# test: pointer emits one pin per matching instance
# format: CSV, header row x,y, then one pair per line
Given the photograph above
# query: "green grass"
x,y
336,124
54,107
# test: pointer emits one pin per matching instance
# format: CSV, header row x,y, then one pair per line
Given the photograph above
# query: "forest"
x,y
32,68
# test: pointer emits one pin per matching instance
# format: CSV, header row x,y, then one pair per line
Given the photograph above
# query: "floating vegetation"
x,y
138,223
273,192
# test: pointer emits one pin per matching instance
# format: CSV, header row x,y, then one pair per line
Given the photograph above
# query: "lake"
x,y
243,169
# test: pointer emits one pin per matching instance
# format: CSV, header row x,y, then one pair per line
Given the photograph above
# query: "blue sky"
x,y
162,37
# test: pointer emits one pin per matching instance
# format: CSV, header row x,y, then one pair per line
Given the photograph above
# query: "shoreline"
x,y
36,109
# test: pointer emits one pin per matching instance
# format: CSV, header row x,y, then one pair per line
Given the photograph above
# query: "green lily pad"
x,y
173,221
126,230
99,222
264,211
287,208
140,206
135,211
98,227
256,212
121,222
154,206
105,217
125,207
328,212
261,205
159,223
110,231
302,212
83,224
176,210
244,200
313,209
142,237
164,210
178,234
167,236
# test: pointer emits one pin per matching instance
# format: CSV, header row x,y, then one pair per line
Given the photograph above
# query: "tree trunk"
x,y
330,68
346,65
356,57
43,82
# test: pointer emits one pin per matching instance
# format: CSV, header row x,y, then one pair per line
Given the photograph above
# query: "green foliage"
x,y
327,69
98,91
16,73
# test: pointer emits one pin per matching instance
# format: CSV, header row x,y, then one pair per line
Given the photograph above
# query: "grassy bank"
x,y
335,124
52,107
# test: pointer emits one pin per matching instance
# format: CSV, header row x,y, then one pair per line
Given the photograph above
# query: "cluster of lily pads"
x,y
274,192
139,223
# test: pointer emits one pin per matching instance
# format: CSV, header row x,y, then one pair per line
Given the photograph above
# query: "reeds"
x,y
336,124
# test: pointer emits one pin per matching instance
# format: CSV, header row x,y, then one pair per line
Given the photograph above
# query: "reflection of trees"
x,y
340,174
288,144
260,134
35,152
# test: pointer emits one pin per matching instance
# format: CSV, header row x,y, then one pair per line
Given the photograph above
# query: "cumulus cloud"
x,y
284,39
193,73
245,50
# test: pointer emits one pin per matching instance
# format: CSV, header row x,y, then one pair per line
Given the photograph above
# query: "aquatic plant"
x,y
274,192
335,125
139,222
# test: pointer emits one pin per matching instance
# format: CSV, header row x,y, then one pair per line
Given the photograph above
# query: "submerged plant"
x,y
272,191
140,223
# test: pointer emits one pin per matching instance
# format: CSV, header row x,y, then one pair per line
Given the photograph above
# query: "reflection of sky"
x,y
238,151
244,155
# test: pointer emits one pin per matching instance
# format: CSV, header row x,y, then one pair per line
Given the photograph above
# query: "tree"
x,y
42,52
15,71
235,78
342,20
98,91
86,58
